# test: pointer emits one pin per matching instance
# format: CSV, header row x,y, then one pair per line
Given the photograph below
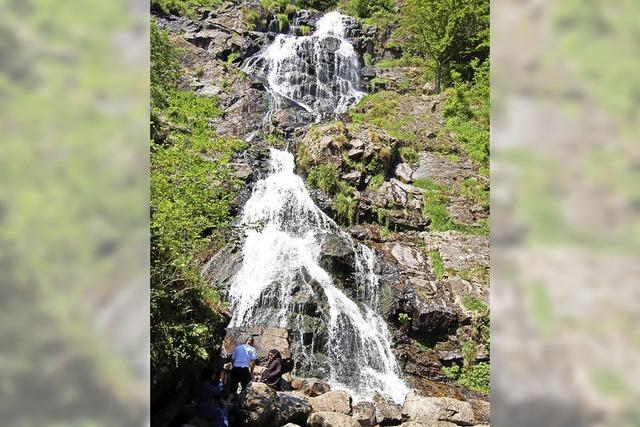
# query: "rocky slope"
x,y
393,177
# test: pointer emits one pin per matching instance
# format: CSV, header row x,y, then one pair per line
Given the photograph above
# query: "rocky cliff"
x,y
394,179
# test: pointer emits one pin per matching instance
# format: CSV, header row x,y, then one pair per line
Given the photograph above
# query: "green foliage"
x,y
452,372
376,181
368,59
471,302
165,66
302,156
467,113
367,8
320,5
409,155
406,60
477,377
383,109
436,261
404,319
345,205
284,7
183,7
473,189
324,177
283,22
192,190
385,233
446,31
254,19
304,30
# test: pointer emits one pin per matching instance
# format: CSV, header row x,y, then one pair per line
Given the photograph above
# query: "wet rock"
x,y
434,320
368,72
387,413
257,405
364,413
313,387
331,419
332,401
223,266
291,408
434,409
338,258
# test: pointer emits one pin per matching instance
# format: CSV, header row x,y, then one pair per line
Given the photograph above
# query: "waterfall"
x,y
281,265
319,72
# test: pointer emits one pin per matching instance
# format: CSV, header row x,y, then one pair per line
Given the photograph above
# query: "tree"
x,y
446,29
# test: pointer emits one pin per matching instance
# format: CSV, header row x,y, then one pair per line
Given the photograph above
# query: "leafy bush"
x,y
192,190
367,8
320,5
376,181
467,113
183,7
283,22
477,377
345,205
409,155
404,319
324,177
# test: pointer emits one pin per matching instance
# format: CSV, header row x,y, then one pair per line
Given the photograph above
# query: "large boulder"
x,y
387,413
435,167
331,419
337,257
257,405
364,413
291,408
332,401
313,387
265,339
430,410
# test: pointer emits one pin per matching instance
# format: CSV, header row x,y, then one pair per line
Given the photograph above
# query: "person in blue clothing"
x,y
209,393
244,360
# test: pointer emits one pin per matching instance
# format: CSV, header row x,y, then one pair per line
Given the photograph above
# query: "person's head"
x,y
249,341
274,354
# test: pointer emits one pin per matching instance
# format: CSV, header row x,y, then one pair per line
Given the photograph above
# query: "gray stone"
x,y
364,413
433,409
257,405
387,413
331,419
332,401
313,387
407,256
291,408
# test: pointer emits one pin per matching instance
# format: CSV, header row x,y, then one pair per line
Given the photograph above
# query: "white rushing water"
x,y
319,72
281,253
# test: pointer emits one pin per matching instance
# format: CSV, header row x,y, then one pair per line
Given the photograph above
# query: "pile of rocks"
x,y
312,403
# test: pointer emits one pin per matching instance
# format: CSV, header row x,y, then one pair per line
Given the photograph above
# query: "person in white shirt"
x,y
244,360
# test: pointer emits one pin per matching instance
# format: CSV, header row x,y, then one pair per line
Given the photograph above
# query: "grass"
x,y
324,177
345,205
409,155
304,30
473,303
438,267
383,109
376,181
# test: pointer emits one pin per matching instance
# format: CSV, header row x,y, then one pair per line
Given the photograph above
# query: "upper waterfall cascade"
x,y
319,72
281,260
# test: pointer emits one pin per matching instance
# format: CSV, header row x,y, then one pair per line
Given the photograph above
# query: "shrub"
x,y
304,30
183,7
404,319
324,177
283,22
345,205
376,181
366,8
368,59
476,377
409,155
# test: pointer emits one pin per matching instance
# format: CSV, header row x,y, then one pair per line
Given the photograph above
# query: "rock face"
x,y
265,339
332,401
431,410
331,419
313,387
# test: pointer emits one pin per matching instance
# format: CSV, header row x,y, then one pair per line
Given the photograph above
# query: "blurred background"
x,y
74,315
565,171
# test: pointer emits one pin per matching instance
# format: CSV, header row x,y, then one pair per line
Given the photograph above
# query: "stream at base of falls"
x,y
337,334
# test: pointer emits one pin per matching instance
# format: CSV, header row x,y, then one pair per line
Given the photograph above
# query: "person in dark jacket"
x,y
210,392
273,374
